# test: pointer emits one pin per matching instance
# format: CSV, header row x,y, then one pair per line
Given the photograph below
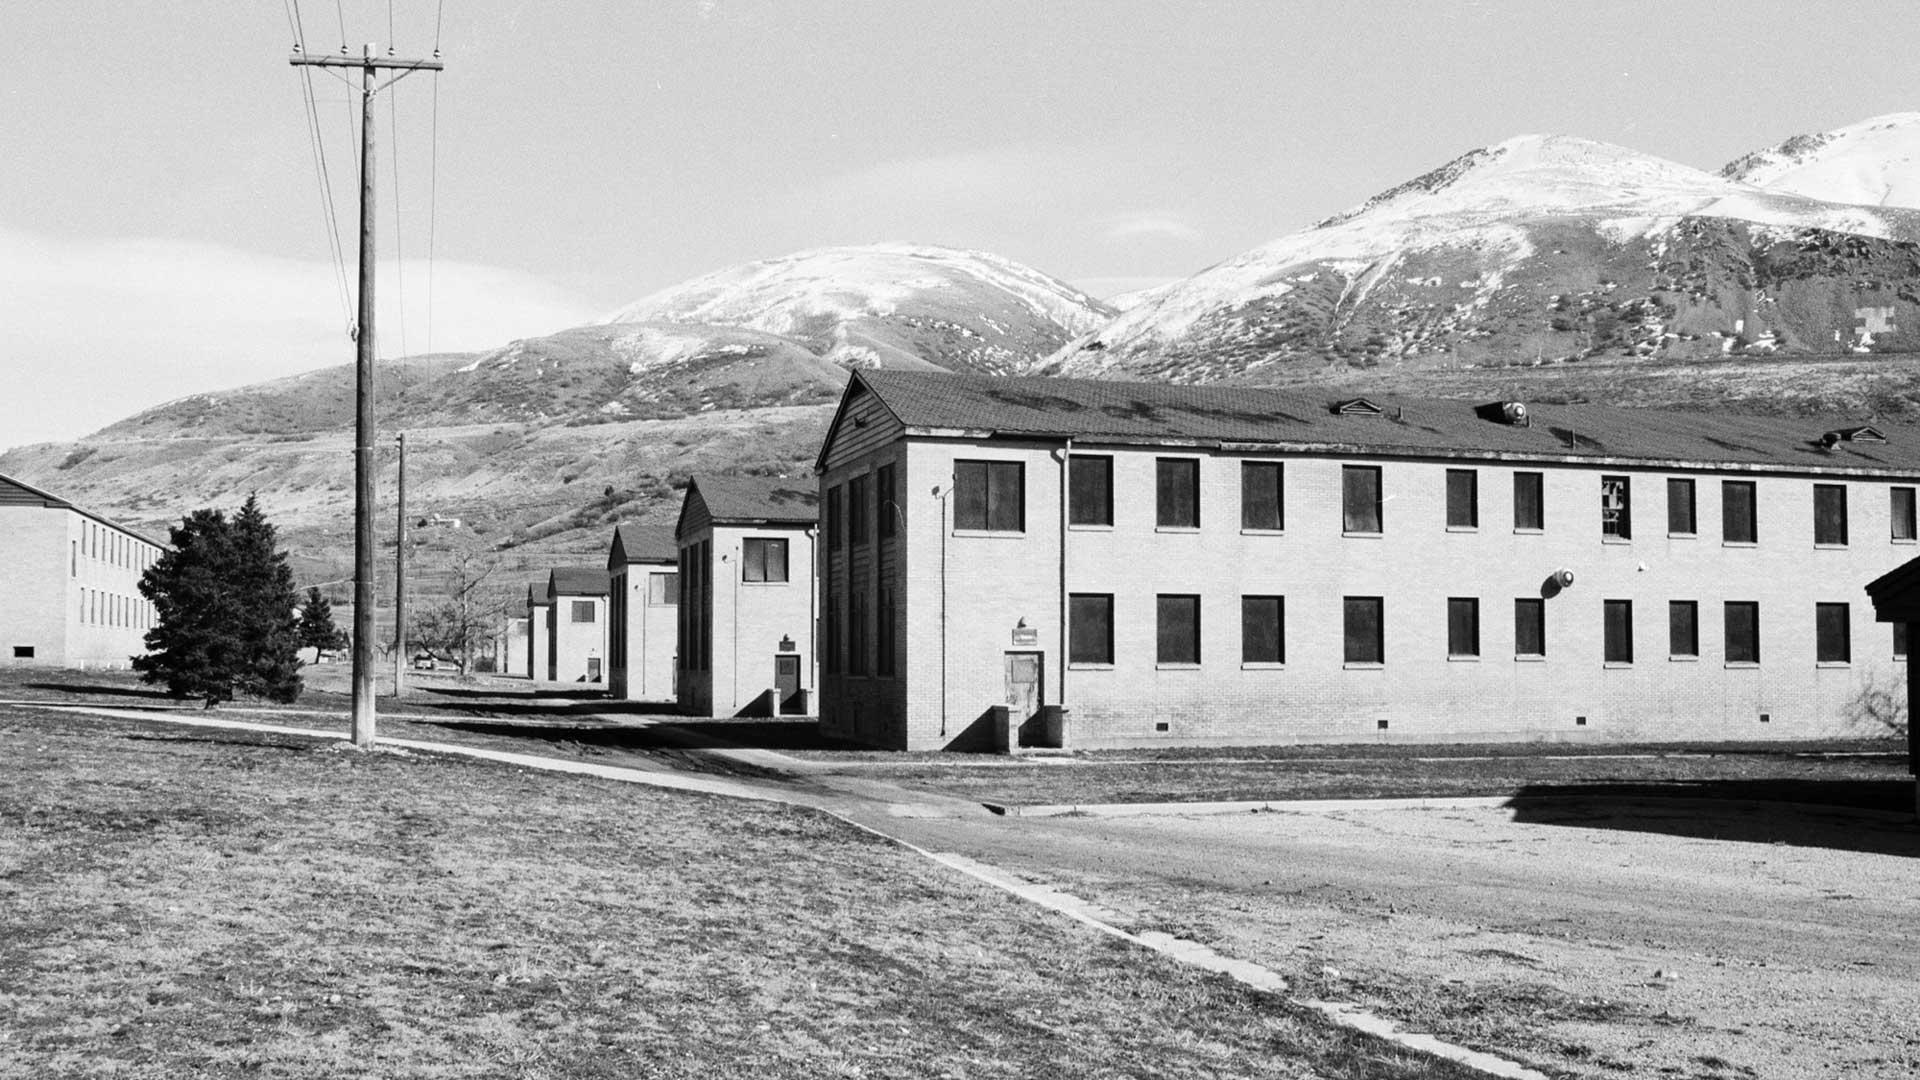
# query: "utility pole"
x,y
363,461
400,580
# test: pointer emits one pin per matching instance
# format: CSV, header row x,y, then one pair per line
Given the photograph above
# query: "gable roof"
x,y
577,581
540,592
753,500
19,493
976,406
641,543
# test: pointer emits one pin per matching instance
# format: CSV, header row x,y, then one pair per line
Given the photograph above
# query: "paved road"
x,y
1652,939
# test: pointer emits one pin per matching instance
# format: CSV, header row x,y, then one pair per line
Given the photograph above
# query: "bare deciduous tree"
x,y
460,619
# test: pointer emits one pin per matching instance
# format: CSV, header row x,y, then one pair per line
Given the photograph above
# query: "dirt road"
x,y
1669,939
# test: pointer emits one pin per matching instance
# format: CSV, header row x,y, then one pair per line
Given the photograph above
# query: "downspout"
x,y
942,496
813,615
739,572
1066,464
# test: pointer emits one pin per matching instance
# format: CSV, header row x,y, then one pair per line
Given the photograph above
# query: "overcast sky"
x,y
162,231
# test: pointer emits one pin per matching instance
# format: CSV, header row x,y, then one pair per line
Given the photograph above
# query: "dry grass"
x,y
225,905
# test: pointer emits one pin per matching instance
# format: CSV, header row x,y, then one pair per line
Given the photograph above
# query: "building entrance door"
x,y
1025,683
786,681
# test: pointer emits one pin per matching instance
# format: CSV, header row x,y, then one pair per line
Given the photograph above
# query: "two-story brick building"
x,y
747,594
1171,564
69,583
643,598
577,625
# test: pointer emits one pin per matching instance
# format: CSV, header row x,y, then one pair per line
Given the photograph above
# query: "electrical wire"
x,y
328,207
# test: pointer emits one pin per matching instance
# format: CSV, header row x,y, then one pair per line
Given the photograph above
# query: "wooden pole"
x,y
363,336
400,578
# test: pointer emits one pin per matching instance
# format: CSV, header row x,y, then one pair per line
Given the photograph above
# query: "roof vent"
x,y
1515,413
1853,434
1357,407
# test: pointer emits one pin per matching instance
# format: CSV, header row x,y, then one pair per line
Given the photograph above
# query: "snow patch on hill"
x,y
1875,162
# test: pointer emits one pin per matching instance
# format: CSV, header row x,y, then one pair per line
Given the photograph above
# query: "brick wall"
x,y
575,644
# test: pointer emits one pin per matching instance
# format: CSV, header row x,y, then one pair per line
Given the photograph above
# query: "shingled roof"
x,y
1129,412
19,493
642,543
735,500
578,581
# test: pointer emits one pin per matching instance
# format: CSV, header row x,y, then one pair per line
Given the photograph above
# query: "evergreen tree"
x,y
225,600
317,628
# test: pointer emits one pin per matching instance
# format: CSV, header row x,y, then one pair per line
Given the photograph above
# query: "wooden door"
x,y
786,679
1024,685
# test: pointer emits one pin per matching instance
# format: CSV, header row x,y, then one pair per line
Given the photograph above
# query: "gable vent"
x,y
1357,407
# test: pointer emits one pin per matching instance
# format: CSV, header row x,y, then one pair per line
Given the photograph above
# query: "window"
x,y
1829,513
23,652
1743,632
833,636
581,611
1090,628
1903,523
858,490
857,633
1529,626
1179,624
1089,490
663,590
883,634
74,569
1680,519
1463,499
888,512
1619,631
763,559
1463,626
990,496
836,528
1261,503
1177,493
1616,517
1263,638
1683,628
1365,616
1832,634
1529,501
1737,523
1360,498
1899,641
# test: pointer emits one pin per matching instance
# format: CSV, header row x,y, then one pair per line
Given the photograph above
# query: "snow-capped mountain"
x,y
888,305
1531,250
1874,162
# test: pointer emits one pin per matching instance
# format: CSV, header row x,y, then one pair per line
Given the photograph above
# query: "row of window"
x,y
1090,622
105,545
853,630
990,496
848,508
99,608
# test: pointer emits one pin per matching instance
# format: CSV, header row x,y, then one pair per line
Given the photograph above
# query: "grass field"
x,y
176,902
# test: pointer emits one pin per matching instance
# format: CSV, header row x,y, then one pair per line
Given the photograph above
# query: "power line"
x,y
329,212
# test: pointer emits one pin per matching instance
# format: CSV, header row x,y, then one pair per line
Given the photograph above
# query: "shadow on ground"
x,y
1801,813
556,704
104,691
801,734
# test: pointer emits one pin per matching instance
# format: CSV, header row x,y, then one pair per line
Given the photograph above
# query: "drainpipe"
x,y
813,618
942,496
1066,463
738,573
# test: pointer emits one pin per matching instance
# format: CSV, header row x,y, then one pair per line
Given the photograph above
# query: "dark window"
x,y
1463,499
1903,523
1737,522
1263,630
1365,616
857,633
1463,626
1680,519
884,633
990,496
836,529
1090,628
1529,501
1179,622
1832,634
858,490
1261,503
1900,640
1683,628
832,620
582,611
1619,631
888,511
1743,632
1616,510
663,590
1529,626
1829,513
1178,493
1360,498
704,558
763,559
1089,490
23,652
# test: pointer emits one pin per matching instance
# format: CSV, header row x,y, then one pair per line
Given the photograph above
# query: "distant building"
x,y
69,583
643,598
577,625
1120,563
510,652
540,631
746,596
